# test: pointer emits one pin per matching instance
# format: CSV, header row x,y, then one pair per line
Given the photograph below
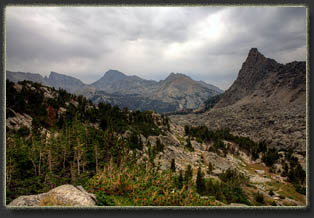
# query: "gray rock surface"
x,y
65,195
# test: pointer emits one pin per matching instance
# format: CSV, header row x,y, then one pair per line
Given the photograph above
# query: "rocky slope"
x,y
267,101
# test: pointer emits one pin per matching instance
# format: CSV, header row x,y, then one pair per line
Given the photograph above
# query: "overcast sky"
x,y
205,43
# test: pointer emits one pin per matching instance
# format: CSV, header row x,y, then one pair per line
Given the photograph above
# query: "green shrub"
x,y
271,193
259,198
104,200
273,203
300,189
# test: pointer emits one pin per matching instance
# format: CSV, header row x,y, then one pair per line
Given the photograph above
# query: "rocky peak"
x,y
253,72
114,75
255,67
177,76
108,78
68,83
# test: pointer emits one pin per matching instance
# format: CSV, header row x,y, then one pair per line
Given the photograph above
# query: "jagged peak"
x,y
54,74
253,51
254,56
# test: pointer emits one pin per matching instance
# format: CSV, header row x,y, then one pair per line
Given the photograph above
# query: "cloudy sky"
x,y
206,43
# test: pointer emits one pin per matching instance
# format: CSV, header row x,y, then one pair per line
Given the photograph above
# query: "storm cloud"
x,y
207,43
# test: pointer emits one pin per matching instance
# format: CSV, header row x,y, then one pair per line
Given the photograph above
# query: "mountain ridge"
x,y
134,92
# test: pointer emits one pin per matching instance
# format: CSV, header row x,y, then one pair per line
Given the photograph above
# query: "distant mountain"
x,y
212,87
267,102
176,92
181,90
56,80
114,81
68,83
20,76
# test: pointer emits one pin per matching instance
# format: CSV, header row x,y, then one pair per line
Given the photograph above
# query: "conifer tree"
x,y
173,165
200,182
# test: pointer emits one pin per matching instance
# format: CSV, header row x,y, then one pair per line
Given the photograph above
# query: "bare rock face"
x,y
64,195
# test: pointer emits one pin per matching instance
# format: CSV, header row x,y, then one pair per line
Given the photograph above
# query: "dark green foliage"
x,y
135,142
179,180
23,131
36,164
270,157
297,175
285,169
203,134
300,189
104,200
228,192
234,176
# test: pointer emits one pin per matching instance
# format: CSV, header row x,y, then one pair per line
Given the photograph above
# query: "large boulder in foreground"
x,y
64,195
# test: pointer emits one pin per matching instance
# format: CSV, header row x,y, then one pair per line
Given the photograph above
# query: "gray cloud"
x,y
207,43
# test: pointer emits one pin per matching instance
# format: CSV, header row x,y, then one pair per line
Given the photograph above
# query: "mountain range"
x,y
176,92
247,149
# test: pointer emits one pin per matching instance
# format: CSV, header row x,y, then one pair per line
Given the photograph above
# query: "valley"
x,y
247,148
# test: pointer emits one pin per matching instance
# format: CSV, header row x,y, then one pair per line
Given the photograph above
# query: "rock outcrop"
x,y
64,195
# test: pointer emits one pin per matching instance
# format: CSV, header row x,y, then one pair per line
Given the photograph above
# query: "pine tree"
x,y
180,180
200,182
173,165
210,168
188,173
